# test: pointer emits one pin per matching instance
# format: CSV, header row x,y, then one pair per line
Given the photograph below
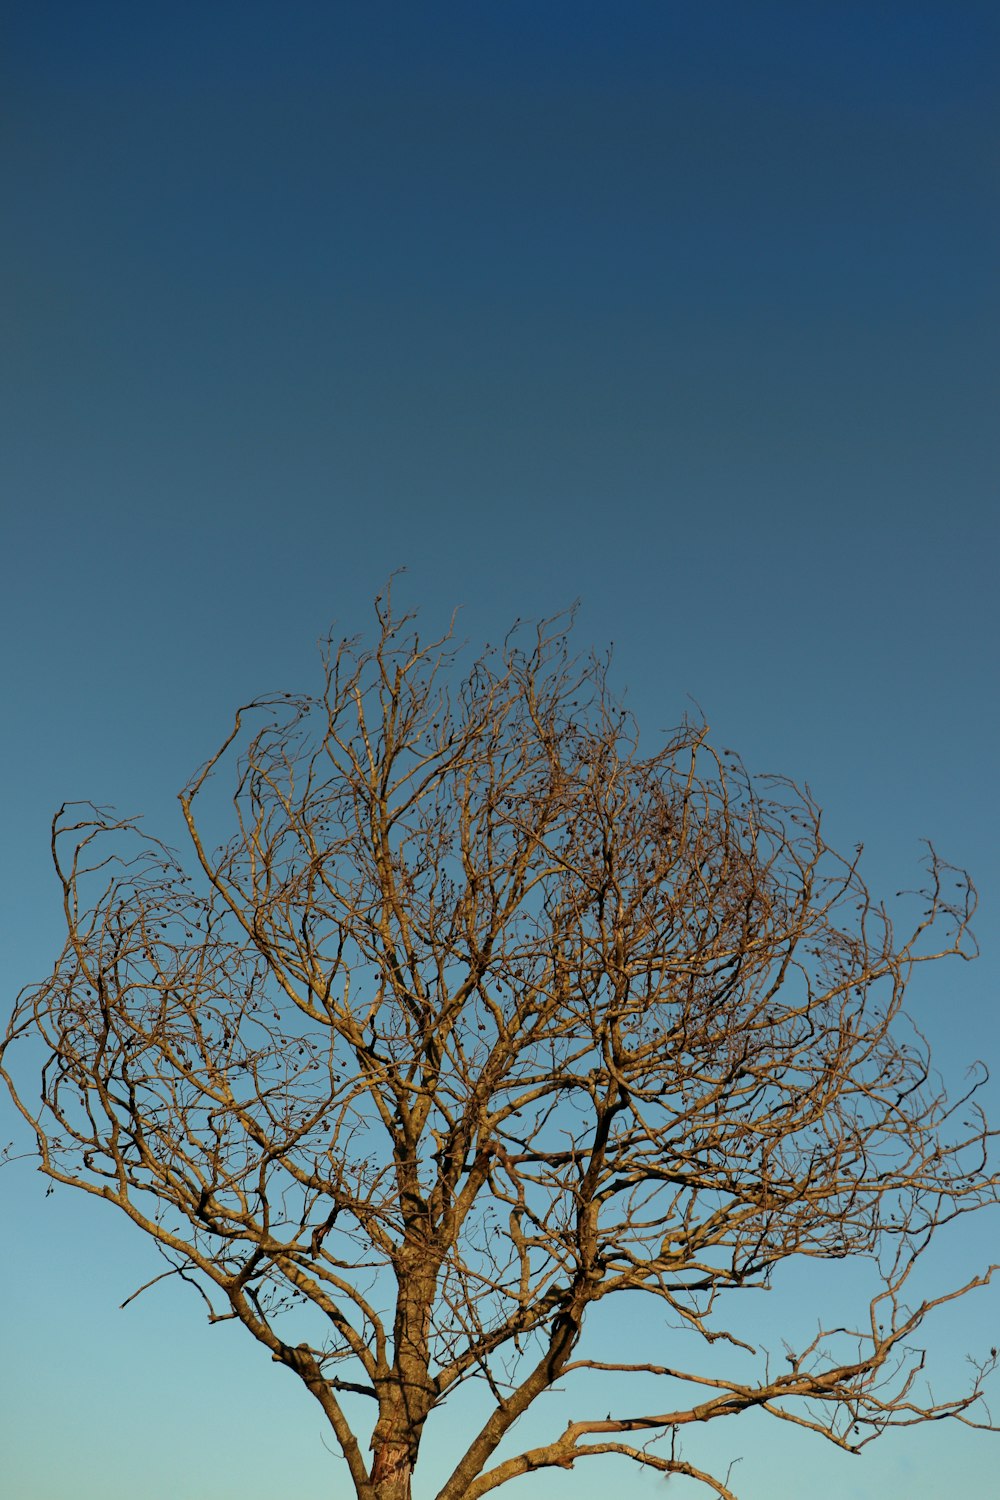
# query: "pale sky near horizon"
x,y
687,311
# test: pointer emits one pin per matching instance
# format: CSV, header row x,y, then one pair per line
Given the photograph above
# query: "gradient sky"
x,y
686,310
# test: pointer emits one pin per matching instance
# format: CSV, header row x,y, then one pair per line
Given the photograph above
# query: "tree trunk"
x,y
392,1470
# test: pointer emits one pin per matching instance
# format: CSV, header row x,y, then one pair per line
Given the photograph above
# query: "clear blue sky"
x,y
689,310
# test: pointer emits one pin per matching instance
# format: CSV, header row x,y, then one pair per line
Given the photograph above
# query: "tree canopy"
x,y
483,1012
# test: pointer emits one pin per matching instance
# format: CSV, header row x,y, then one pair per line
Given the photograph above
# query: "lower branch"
x,y
564,1452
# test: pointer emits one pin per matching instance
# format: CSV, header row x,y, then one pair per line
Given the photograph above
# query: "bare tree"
x,y
481,1017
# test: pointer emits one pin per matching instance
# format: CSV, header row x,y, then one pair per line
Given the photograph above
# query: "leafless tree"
x,y
483,1016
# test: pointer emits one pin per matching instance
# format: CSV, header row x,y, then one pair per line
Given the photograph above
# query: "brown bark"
x,y
392,1470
